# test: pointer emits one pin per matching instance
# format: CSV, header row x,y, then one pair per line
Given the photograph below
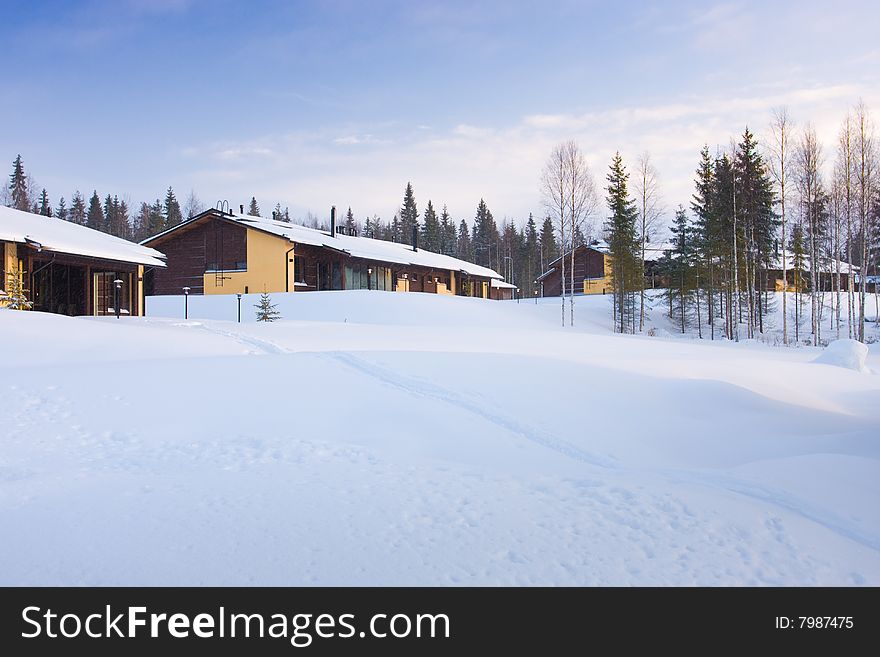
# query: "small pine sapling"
x,y
14,297
266,310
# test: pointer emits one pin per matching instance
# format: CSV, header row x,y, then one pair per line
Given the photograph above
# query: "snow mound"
x,y
850,354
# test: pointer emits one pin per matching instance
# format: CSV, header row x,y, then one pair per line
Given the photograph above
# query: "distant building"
x,y
69,269
501,290
217,252
592,272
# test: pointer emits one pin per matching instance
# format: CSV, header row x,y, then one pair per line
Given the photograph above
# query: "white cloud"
x,y
309,171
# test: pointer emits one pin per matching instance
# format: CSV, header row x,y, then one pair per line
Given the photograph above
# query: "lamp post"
x,y
186,303
239,307
536,297
118,293
369,278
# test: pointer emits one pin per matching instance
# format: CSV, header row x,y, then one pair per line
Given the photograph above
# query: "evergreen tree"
x,y
448,237
14,296
253,208
531,257
266,310
369,228
95,216
464,246
485,237
623,246
19,194
798,250
754,208
157,218
393,234
78,209
45,207
549,250
409,215
431,233
173,214
61,211
707,233
679,265
351,227
110,215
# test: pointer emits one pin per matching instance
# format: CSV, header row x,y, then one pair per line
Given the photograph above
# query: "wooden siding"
x,y
185,252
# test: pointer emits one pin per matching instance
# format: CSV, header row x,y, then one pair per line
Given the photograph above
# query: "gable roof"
x,y
60,236
356,247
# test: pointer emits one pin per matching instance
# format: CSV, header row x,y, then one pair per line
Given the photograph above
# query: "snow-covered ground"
x,y
381,438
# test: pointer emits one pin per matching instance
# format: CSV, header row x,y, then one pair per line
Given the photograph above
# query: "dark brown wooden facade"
x,y
212,245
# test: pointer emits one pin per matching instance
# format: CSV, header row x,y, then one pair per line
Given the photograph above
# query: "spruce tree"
x,y
531,256
171,207
61,211
430,233
622,245
547,243
95,216
464,246
78,209
798,250
19,194
448,236
109,215
14,295
266,310
485,237
45,207
253,208
707,233
409,215
350,223
679,265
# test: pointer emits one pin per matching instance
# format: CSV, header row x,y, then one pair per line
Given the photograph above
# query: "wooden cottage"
x,y
65,268
592,273
217,252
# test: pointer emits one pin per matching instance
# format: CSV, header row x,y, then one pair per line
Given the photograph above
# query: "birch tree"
x,y
809,156
865,179
554,190
780,164
582,200
647,193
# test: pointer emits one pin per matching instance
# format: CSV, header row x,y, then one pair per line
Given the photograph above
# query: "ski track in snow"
x,y
775,497
420,388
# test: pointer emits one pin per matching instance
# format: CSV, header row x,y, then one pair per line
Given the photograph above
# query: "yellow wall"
x,y
402,285
140,291
600,285
265,268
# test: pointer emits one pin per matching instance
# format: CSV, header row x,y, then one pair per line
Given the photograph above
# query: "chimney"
x,y
333,221
273,215
241,209
415,237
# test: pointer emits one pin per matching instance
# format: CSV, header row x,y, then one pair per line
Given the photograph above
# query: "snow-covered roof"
x,y
826,266
503,285
356,247
60,236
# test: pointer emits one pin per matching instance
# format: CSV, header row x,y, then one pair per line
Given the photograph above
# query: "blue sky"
x,y
319,103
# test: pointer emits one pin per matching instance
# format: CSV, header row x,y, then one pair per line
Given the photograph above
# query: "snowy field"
x,y
374,438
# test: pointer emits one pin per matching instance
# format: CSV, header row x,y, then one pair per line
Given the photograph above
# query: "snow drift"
x,y
850,354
